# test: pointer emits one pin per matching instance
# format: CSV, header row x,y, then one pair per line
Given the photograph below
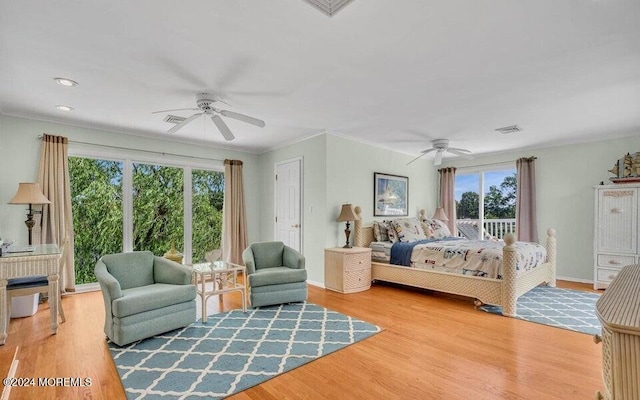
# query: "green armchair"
x,y
276,274
144,295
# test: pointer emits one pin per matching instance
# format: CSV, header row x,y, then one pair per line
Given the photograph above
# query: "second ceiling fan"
x,y
440,146
206,106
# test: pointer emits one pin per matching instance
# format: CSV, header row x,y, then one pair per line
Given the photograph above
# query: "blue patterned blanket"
x,y
401,252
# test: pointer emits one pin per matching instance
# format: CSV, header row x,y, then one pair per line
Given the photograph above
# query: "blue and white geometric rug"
x,y
233,351
574,310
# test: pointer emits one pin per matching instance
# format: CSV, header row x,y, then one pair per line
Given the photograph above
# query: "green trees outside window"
x,y
158,210
96,201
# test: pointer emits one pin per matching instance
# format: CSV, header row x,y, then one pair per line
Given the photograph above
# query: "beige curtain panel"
x,y
57,221
526,229
448,196
234,232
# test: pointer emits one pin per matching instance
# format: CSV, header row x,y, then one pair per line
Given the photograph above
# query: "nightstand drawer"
x,y
357,261
357,280
606,274
615,261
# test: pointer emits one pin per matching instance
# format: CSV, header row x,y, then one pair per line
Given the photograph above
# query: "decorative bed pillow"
x,y
408,229
427,229
440,229
391,232
380,231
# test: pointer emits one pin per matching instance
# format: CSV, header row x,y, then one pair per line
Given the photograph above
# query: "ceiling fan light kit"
x,y
206,104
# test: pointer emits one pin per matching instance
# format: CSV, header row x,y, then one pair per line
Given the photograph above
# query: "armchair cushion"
x,y
151,297
267,254
130,269
277,276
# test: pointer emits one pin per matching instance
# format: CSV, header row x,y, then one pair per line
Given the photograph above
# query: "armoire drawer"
x,y
615,261
607,274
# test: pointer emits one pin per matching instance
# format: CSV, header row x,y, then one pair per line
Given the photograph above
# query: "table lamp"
x,y
29,193
347,214
440,214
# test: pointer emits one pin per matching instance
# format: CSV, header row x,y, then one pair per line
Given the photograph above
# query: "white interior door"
x,y
288,203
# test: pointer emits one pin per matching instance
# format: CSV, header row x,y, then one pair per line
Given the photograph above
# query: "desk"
x,y
43,261
225,279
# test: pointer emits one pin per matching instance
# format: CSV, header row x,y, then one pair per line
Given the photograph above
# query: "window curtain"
x,y
448,196
526,200
234,237
57,221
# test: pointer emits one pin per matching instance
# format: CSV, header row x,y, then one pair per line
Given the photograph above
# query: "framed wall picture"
x,y
390,195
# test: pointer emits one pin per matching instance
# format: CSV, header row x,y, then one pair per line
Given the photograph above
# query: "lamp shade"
x,y
347,213
440,214
29,193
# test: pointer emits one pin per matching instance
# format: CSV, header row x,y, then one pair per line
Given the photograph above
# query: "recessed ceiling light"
x,y
65,82
65,108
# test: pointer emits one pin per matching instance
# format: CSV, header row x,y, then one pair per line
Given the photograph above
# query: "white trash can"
x,y
24,306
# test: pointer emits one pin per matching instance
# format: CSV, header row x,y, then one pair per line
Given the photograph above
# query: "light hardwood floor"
x,y
433,346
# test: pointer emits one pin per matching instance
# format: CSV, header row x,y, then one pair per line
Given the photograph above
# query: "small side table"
x,y
347,270
224,276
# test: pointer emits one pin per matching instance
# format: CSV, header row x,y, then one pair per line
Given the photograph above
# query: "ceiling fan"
x,y
440,146
205,103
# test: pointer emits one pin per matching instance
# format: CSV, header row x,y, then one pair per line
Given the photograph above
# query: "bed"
x,y
501,291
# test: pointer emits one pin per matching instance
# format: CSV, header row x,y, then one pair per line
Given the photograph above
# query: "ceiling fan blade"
x,y
416,158
460,150
243,118
428,151
222,127
177,109
438,159
460,153
183,123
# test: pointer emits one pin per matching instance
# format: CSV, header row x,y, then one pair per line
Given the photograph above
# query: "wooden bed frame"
x,y
500,292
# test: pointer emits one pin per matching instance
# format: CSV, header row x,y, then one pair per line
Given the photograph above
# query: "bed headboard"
x,y
364,234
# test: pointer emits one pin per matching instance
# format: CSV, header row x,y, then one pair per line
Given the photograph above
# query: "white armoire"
x,y
616,236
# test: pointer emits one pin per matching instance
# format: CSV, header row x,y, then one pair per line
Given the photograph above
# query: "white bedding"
x,y
475,257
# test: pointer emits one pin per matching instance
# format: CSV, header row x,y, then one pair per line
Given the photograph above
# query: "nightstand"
x,y
347,270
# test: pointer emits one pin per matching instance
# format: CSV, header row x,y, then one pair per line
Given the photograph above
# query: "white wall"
x,y
19,157
350,169
565,176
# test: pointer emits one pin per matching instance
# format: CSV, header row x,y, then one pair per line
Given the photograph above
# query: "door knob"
x,y
295,226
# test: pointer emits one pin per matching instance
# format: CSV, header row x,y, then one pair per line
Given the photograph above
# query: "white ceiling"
x,y
393,73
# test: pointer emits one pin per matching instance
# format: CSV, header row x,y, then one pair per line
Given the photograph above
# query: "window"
x,y
497,212
96,200
125,205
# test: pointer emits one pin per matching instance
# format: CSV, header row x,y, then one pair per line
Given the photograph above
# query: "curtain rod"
x,y
495,163
140,150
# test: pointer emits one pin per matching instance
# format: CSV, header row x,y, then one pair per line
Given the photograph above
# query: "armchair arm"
x,y
249,262
167,271
292,258
110,286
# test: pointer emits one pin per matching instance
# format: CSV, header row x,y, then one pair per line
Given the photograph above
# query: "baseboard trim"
x,y
566,278
314,283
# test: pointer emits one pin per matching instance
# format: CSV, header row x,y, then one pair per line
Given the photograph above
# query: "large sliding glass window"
x,y
96,199
125,205
207,200
497,212
158,208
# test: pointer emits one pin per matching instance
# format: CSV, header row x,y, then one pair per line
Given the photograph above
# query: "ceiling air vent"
x,y
329,7
509,129
174,119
